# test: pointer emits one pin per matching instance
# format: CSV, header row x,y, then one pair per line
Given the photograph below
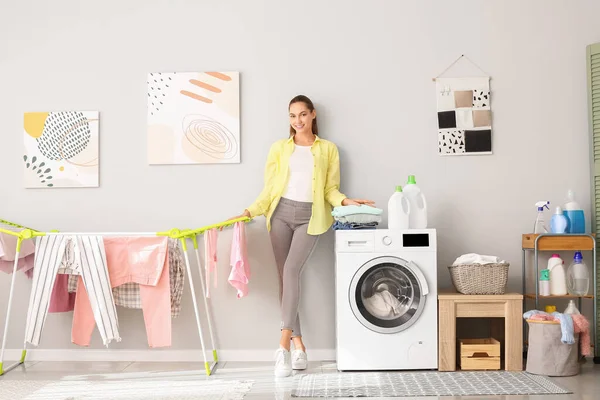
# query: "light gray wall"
x,y
367,64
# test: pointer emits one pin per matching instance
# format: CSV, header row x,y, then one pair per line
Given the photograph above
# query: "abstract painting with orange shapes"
x,y
61,149
193,118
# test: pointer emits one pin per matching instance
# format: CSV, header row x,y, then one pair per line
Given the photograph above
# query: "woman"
x,y
302,179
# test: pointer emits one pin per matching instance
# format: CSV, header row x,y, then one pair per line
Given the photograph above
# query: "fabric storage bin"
x,y
546,354
479,279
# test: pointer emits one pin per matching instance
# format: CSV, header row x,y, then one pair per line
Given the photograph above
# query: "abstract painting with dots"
x,y
464,116
193,118
61,149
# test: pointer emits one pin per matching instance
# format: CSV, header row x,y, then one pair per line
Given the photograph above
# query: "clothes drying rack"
x,y
181,235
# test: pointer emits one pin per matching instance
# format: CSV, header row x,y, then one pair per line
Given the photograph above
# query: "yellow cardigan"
x,y
326,183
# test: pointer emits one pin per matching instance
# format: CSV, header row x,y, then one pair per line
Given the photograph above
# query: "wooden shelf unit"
x,y
561,242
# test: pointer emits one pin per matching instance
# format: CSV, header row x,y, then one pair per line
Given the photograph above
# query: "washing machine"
x,y
386,299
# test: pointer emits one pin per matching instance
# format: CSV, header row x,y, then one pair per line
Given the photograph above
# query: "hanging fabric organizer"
x,y
181,235
464,113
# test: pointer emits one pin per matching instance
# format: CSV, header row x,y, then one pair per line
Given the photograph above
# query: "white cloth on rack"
x,y
88,260
473,258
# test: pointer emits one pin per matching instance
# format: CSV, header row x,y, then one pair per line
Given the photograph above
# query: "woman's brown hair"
x,y
309,104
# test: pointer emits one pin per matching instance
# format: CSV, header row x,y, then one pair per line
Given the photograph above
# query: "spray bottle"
x,y
540,226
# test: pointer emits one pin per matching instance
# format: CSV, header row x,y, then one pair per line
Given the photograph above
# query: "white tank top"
x,y
299,187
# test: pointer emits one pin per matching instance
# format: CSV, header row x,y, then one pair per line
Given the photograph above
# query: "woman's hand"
x,y
245,214
357,202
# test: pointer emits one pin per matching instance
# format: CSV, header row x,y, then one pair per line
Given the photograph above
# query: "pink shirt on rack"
x,y
240,268
8,249
143,260
210,254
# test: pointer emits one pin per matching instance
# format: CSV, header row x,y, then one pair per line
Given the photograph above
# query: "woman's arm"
x,y
332,182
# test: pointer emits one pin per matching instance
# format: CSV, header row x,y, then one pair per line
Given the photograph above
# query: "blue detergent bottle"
x,y
574,214
559,222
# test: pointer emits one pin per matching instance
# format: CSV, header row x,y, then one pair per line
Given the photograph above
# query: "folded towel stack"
x,y
356,217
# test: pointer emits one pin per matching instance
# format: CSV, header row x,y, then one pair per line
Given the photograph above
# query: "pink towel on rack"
x,y
240,268
8,249
142,260
60,299
210,254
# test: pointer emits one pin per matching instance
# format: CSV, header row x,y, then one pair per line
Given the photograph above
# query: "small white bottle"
x,y
418,205
544,282
398,210
558,278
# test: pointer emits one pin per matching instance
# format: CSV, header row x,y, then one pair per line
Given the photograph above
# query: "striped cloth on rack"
x,y
128,294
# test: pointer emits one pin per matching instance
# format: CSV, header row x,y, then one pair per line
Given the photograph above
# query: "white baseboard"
x,y
155,355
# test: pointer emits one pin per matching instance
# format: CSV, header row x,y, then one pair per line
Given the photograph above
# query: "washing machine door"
x,y
388,294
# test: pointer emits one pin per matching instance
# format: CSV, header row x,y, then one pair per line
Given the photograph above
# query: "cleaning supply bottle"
x,y
418,205
544,282
558,280
398,210
571,308
540,225
558,223
574,213
578,277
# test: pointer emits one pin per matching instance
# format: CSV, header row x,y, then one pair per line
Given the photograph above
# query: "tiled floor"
x,y
585,386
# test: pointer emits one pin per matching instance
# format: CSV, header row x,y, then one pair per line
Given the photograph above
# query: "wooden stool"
x,y
455,305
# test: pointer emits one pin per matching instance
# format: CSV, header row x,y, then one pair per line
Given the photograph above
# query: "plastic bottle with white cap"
x,y
574,214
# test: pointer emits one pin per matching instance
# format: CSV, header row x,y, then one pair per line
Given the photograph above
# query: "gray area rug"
x,y
415,384
197,389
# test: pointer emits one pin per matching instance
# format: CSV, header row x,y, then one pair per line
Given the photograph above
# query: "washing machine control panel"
x,y
386,240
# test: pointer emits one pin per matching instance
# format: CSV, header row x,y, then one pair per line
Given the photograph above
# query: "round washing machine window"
x,y
386,295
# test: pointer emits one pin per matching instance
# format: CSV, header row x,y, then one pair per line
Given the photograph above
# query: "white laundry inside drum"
x,y
387,297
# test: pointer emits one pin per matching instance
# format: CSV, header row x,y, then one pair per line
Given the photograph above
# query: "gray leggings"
x,y
292,246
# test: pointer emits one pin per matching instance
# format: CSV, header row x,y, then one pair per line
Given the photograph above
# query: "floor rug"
x,y
155,389
415,384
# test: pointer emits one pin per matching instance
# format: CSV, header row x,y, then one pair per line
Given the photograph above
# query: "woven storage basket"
x,y
479,279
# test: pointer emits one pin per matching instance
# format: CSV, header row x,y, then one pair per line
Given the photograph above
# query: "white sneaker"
x,y
299,359
283,363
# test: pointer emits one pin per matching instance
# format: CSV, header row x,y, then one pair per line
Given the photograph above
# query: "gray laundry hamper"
x,y
546,354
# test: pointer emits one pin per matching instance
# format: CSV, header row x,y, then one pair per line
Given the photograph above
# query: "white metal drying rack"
x,y
181,235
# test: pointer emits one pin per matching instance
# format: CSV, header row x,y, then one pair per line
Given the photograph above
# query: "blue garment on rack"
x,y
566,327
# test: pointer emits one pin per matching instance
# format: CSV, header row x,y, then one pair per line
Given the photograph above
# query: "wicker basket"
x,y
479,279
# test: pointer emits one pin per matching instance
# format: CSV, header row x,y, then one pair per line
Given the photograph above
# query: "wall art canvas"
x,y
61,149
193,118
464,116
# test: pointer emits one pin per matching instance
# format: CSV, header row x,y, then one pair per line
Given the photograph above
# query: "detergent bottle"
x,y
578,276
571,308
558,279
559,222
574,214
398,210
540,225
418,205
